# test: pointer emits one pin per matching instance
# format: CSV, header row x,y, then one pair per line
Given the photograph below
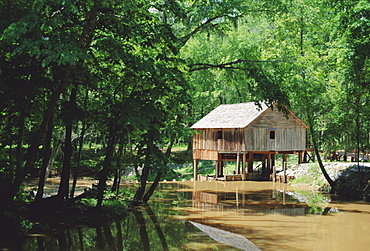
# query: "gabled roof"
x,y
231,116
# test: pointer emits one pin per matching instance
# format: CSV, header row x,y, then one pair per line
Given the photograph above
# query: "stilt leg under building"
x,y
244,176
196,161
238,163
250,163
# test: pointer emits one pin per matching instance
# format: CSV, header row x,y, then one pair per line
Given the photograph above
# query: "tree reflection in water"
x,y
135,232
174,205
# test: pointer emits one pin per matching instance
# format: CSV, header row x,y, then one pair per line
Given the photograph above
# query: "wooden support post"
x,y
217,169
222,168
250,163
300,161
268,164
305,160
264,168
238,163
196,161
220,165
272,163
284,167
274,173
243,166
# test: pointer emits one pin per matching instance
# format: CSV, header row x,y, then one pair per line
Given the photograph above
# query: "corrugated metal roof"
x,y
231,116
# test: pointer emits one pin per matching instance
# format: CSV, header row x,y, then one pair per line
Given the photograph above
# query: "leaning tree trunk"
x,y
318,157
152,187
143,179
139,196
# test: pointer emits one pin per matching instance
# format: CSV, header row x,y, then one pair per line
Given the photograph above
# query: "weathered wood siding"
x,y
286,139
233,140
205,154
230,140
290,134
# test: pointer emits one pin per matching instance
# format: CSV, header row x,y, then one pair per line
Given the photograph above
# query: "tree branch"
x,y
184,39
229,64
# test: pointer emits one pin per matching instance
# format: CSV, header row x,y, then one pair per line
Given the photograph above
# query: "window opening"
x,y
272,134
219,134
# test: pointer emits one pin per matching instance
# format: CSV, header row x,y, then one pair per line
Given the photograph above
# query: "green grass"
x,y
314,177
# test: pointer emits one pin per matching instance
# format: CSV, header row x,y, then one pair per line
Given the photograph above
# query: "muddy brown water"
x,y
283,223
214,215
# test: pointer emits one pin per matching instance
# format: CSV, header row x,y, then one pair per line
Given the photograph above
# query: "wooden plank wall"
x,y
205,154
232,140
286,139
290,134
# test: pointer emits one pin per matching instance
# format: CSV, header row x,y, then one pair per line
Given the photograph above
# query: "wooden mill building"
x,y
247,132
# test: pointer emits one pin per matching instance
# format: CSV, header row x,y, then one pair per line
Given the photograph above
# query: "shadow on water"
x,y
214,216
140,230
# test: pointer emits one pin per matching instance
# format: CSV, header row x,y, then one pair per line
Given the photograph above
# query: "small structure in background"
x,y
244,133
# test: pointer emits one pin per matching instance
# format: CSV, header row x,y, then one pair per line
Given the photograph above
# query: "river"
x,y
214,215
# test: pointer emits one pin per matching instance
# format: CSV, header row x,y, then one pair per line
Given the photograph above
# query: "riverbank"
x,y
350,180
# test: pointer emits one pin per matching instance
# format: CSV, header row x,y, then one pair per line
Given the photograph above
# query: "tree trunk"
x,y
35,143
103,174
169,147
66,170
80,147
315,147
117,175
115,180
21,129
143,179
77,168
358,146
152,187
54,153
45,161
84,41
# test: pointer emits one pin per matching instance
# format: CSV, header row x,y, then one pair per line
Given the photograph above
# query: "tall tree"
x,y
351,46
